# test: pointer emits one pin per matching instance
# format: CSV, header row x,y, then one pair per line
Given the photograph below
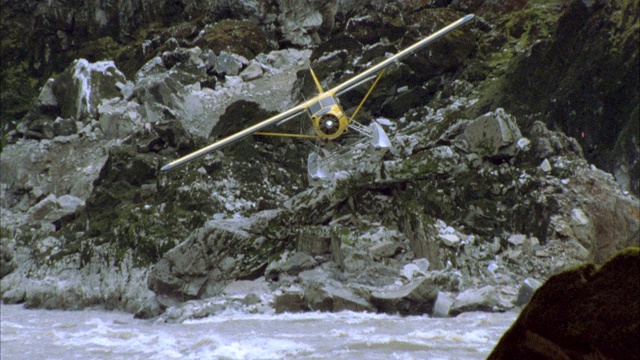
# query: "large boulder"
x,y
415,298
170,97
609,212
587,312
486,299
334,297
290,264
290,300
83,85
214,255
34,170
301,22
119,118
493,135
74,95
53,208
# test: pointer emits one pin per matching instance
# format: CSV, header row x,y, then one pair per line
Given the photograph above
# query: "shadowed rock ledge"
x,y
583,313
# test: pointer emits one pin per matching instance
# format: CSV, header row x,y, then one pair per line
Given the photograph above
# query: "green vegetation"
x,y
240,37
522,28
18,89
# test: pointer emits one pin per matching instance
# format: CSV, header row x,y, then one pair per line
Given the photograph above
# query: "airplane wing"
x,y
342,88
282,117
369,73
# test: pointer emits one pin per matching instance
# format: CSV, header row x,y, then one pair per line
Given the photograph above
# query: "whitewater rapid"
x,y
97,334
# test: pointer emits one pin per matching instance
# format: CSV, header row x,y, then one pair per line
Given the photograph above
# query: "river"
x,y
98,334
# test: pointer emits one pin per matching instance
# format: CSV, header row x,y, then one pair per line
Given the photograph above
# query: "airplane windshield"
x,y
323,103
328,101
314,108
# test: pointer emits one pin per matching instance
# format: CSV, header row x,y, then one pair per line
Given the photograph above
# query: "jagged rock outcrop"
x,y
7,261
493,135
217,253
582,79
486,298
580,313
415,298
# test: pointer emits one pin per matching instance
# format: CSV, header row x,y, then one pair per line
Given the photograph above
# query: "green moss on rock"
x,y
17,92
240,37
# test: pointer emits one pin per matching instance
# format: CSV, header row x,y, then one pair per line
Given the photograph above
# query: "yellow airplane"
x,y
327,116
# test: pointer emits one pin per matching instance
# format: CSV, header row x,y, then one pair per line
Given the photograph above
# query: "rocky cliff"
x,y
485,192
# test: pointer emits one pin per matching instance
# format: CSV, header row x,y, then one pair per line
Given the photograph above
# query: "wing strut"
x,y
353,116
315,79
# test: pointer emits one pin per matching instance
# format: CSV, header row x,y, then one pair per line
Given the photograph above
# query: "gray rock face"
x,y
53,208
327,297
119,118
385,249
415,298
252,71
290,264
185,274
314,240
64,127
83,86
7,257
291,300
486,298
526,290
300,22
64,286
493,135
442,305
230,64
34,170
581,227
165,97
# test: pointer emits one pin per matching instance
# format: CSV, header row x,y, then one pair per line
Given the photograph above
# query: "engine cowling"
x,y
329,124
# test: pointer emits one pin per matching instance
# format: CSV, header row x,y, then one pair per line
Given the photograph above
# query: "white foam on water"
x,y
237,335
260,349
9,325
166,341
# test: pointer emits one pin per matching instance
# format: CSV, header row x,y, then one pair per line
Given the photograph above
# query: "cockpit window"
x,y
328,101
323,103
314,108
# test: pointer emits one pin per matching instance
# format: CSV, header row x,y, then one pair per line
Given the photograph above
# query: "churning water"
x,y
89,334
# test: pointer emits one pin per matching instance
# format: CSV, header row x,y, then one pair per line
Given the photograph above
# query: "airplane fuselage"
x,y
327,117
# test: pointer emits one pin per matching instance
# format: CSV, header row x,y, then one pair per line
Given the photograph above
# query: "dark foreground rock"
x,y
584,313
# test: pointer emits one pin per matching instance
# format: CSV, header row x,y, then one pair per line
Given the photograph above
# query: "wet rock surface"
x,y
568,315
474,205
